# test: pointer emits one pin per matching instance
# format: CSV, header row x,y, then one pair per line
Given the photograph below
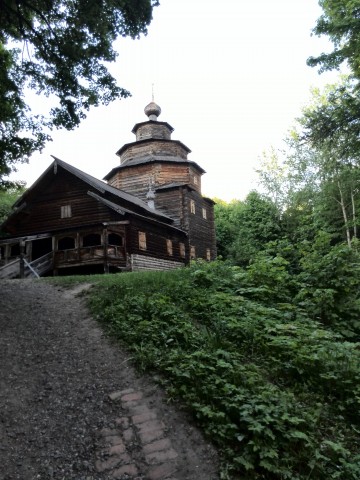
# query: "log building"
x,y
150,213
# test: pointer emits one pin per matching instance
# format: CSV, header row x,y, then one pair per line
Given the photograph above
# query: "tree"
x,y
7,199
274,176
227,220
244,227
331,128
58,48
340,21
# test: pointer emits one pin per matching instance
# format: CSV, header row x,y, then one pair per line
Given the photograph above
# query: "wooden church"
x,y
149,213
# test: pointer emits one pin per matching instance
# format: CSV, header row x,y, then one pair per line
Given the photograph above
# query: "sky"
x,y
230,77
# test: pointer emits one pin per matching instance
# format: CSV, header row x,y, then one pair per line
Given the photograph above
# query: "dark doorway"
x,y
15,250
41,247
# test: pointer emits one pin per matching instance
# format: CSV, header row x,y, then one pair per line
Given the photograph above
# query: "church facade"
x,y
148,213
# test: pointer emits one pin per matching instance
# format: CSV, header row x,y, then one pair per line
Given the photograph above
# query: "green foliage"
x,y
7,199
276,391
319,173
340,22
243,228
58,48
332,119
329,285
227,222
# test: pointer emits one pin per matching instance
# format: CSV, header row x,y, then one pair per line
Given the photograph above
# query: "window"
x,y
169,247
192,252
192,206
114,239
66,243
66,211
208,254
182,250
204,213
142,240
195,180
91,240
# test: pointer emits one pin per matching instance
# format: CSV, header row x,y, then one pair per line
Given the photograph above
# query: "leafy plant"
x,y
275,390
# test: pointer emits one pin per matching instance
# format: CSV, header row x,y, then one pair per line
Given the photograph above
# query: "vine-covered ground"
x,y
277,391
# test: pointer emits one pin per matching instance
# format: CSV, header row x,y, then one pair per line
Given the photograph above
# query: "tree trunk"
x,y
343,208
353,213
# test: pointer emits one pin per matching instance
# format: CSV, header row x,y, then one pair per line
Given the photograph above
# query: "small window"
x,y
192,252
114,239
182,250
208,254
195,180
204,213
192,206
142,240
169,247
66,211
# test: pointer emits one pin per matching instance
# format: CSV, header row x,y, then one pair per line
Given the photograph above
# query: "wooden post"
x,y
105,241
22,253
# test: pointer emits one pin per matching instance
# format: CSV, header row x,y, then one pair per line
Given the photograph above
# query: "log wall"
x,y
142,262
43,213
135,180
143,148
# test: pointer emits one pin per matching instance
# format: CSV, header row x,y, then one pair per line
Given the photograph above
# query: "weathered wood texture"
x,y
135,179
201,230
176,202
43,212
142,262
156,242
158,130
170,202
90,246
10,270
143,148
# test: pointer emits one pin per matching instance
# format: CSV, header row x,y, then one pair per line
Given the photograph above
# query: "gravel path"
x,y
71,405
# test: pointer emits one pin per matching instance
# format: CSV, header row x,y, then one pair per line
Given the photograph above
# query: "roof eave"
x,y
151,140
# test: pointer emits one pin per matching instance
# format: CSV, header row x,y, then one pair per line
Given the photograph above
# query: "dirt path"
x,y
71,405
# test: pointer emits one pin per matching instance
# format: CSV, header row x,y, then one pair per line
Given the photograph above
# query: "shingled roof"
x,y
102,188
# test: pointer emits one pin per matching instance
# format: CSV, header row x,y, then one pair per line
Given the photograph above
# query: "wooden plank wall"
x,y
201,231
142,262
45,212
155,241
135,180
161,147
153,130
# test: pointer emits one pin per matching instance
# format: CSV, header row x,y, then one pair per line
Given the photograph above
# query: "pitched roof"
x,y
151,140
122,211
100,186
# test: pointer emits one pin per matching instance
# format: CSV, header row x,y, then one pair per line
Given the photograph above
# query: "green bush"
x,y
275,390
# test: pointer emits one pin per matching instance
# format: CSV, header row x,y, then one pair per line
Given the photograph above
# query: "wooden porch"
x,y
103,248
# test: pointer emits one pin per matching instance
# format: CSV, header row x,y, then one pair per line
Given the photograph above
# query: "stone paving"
x,y
136,446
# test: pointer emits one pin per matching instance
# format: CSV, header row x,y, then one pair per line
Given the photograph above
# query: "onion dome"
x,y
152,111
